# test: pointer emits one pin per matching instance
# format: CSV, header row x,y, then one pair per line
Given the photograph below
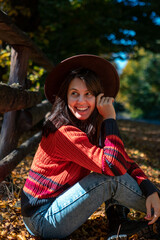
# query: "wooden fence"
x,y
22,108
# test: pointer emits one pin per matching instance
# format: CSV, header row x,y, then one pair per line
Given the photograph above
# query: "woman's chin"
x,y
80,117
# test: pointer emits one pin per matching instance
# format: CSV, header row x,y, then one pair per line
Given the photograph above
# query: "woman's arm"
x,y
108,136
148,188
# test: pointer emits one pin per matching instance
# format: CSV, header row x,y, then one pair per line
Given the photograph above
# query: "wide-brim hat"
x,y
105,71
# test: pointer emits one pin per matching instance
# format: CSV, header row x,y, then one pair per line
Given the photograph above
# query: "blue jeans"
x,y
73,207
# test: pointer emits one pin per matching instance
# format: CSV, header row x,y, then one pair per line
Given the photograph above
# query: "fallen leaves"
x,y
142,142
11,220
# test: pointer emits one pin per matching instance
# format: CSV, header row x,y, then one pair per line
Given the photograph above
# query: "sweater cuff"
x,y
110,127
148,188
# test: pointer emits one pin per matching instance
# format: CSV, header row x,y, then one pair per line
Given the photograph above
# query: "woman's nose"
x,y
81,98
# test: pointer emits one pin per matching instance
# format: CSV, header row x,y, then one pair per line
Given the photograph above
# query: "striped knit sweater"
x,y
67,156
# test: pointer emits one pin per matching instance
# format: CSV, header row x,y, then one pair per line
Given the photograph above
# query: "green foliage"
x,y
98,27
140,86
67,27
36,76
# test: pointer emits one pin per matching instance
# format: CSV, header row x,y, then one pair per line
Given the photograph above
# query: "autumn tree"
x,y
140,86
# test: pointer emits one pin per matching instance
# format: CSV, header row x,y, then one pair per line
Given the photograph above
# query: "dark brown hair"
x,y
61,115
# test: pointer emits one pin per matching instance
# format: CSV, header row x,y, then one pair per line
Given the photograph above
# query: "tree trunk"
x,y
9,133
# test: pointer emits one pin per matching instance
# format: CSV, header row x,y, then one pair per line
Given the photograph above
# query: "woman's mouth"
x,y
82,109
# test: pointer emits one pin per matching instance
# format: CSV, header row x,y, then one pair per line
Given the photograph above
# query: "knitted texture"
x,y
67,156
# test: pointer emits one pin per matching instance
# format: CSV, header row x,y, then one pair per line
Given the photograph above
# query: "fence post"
x,y
18,71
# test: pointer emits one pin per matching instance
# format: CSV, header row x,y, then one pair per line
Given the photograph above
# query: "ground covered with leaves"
x,y
142,142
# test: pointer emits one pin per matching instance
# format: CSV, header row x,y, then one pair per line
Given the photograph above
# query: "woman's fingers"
x,y
99,98
154,219
104,100
105,106
148,209
153,202
111,100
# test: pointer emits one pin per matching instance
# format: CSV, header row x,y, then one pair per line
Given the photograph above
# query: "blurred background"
x,y
125,32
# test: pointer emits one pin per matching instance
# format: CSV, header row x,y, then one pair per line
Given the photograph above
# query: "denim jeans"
x,y
73,207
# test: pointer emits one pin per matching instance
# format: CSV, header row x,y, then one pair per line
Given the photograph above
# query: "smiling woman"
x,y
81,161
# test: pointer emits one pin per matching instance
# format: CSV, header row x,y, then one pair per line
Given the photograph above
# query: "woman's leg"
x,y
72,208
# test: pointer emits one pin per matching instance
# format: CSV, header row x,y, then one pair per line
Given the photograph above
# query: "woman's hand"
x,y
153,201
105,106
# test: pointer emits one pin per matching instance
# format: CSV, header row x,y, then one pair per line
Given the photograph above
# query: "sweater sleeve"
x,y
108,130
73,145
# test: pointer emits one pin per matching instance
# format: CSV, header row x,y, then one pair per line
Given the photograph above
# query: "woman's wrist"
x,y
109,117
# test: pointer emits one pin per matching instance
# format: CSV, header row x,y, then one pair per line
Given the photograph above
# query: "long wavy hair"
x,y
61,114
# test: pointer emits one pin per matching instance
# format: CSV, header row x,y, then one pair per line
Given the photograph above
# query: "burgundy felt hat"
x,y
105,71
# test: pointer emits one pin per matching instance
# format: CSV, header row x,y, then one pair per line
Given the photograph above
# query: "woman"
x,y
81,161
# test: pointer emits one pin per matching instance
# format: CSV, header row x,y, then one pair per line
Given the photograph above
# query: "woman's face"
x,y
81,102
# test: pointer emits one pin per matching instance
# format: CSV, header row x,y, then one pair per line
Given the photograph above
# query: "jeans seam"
x,y
77,198
133,190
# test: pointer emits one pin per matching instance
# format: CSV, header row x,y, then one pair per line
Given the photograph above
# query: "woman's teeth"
x,y
82,109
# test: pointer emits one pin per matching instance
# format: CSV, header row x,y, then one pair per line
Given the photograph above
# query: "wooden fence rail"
x,y
22,108
8,163
13,97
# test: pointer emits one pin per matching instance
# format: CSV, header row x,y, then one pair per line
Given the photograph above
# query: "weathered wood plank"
x,y
28,118
13,98
11,34
9,163
39,111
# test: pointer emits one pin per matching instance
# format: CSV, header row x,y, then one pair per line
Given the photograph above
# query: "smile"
x,y
82,109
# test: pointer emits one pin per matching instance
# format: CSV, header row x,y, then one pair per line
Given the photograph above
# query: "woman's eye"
x,y
89,94
74,93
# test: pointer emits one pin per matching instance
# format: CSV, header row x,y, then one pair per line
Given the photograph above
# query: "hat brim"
x,y
105,71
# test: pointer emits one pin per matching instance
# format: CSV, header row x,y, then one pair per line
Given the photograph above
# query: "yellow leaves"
x,y
4,233
13,12
20,237
5,61
136,215
11,223
35,76
11,219
3,205
13,235
19,9
134,237
5,54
